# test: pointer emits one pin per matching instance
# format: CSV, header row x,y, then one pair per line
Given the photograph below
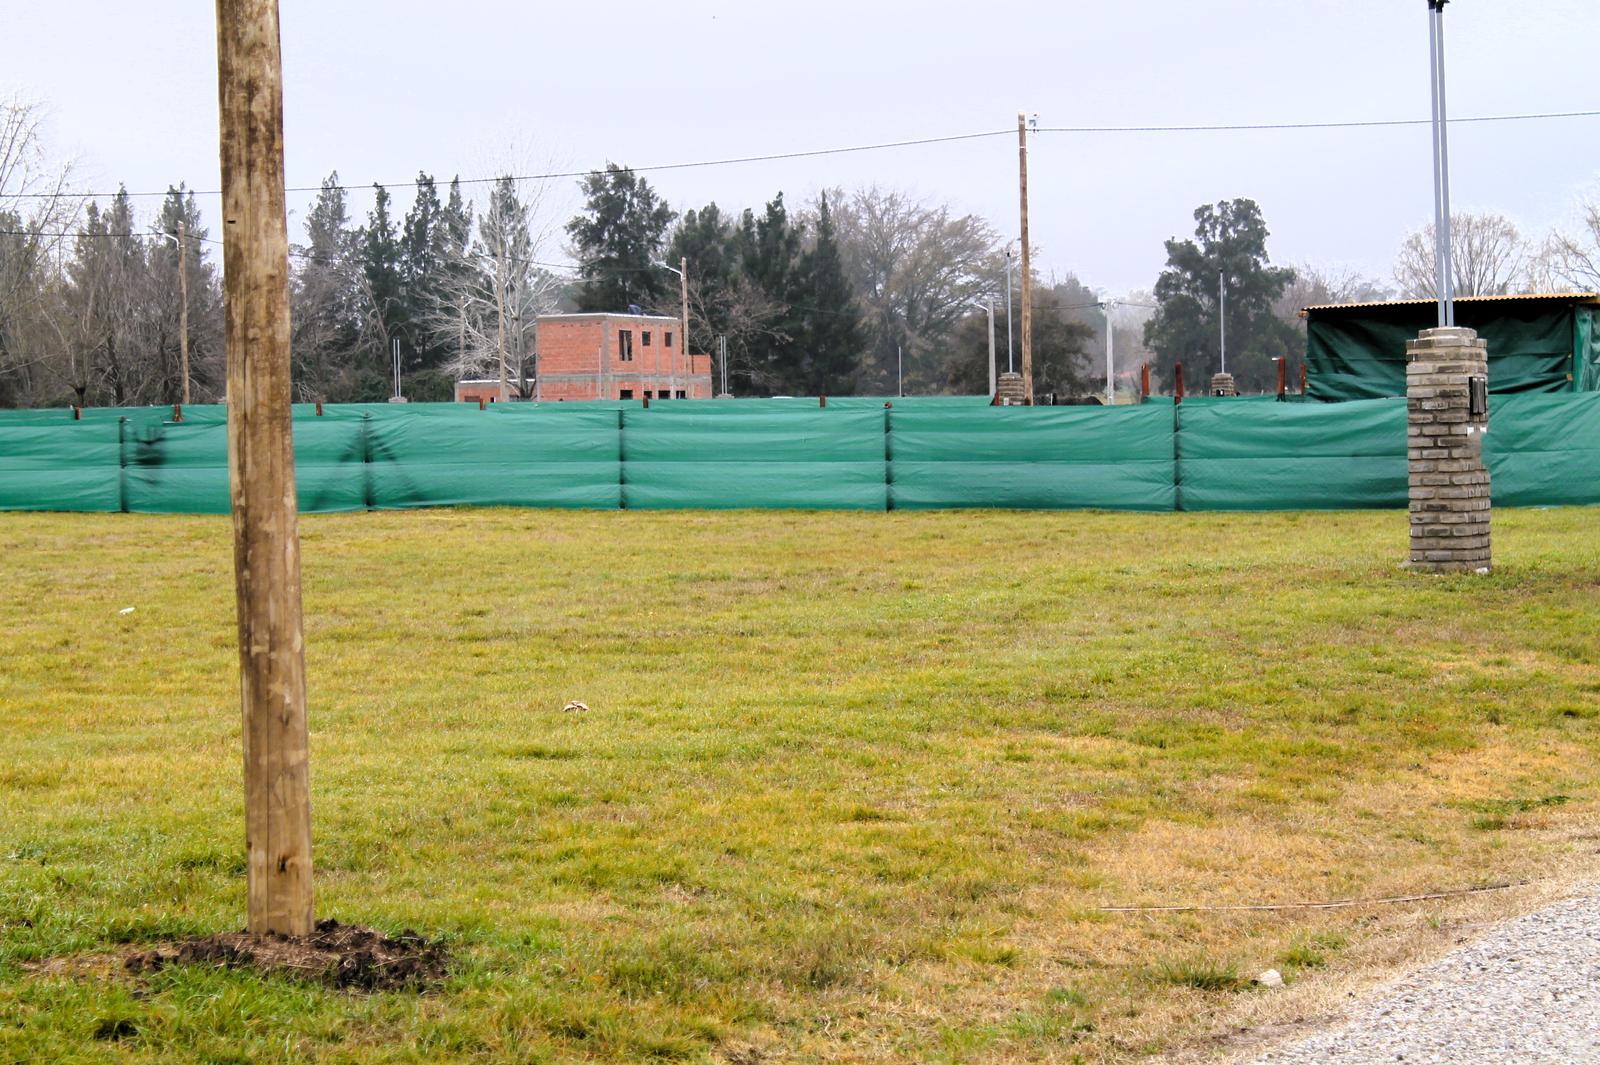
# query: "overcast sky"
x,y
379,91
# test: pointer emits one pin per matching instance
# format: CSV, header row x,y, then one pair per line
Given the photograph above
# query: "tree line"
x,y
863,290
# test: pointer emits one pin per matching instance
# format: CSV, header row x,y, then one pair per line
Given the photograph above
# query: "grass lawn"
x,y
852,786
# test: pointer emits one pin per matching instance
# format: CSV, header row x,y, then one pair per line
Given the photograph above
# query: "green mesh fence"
x,y
1032,457
1204,454
1291,456
807,458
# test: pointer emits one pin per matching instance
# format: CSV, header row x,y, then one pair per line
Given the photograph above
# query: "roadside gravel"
x,y
1528,992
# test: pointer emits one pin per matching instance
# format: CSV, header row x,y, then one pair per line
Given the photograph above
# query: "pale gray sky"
x,y
381,90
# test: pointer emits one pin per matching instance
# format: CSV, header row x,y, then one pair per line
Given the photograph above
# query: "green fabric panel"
x,y
1033,458
441,454
1544,450
1586,349
815,460
182,468
1292,456
1361,353
61,466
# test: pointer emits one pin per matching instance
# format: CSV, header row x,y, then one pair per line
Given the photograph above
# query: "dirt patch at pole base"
x,y
339,955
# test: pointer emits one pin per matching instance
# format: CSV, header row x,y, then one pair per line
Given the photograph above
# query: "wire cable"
x,y
881,146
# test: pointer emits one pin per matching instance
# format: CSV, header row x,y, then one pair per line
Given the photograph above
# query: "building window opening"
x,y
644,337
627,393
666,338
625,345
682,394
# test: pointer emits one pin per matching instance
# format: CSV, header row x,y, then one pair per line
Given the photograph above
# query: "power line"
x,y
1359,124
881,146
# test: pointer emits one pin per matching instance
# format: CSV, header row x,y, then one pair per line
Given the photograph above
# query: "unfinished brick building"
x,y
609,356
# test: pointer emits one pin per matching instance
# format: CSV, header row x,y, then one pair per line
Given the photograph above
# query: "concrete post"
x,y
1447,413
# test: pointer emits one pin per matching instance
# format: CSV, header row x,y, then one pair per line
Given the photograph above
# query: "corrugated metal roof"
x,y
1570,297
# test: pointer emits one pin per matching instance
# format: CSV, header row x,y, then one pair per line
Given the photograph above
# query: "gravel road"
x,y
1527,992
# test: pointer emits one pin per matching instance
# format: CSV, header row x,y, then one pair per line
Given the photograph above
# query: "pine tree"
x,y
380,300
618,239
420,268
828,335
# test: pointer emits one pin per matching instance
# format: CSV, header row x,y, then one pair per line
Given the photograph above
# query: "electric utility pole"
x,y
266,538
1027,280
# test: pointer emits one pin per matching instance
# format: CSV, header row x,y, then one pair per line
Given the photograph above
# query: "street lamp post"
x,y
682,270
1443,267
1111,388
988,305
182,241
1010,368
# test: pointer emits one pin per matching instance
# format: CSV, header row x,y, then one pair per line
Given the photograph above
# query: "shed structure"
x,y
1548,342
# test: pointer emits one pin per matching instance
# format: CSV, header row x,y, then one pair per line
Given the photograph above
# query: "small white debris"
x,y
126,610
574,706
1270,978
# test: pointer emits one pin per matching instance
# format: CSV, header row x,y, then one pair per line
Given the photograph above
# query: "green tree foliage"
x,y
827,320
323,313
1230,241
207,363
1061,349
617,240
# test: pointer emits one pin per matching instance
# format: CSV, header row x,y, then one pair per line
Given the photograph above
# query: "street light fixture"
x,y
182,241
988,305
683,340
1442,265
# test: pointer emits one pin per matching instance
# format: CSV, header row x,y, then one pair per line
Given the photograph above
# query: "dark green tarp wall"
x,y
1291,456
1204,454
1535,345
1033,457
676,456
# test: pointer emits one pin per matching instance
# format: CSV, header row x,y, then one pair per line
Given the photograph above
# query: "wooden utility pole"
x,y
500,322
683,342
266,538
1027,272
183,309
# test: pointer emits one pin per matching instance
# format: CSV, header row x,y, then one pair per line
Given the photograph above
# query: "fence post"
x,y
177,413
1177,377
1144,382
888,458
622,457
1283,377
122,464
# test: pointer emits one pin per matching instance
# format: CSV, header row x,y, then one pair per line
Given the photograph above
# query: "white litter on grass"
x,y
126,610
574,707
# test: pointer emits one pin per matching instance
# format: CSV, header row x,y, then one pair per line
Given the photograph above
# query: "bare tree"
x,y
490,300
918,268
1488,255
1572,260
39,208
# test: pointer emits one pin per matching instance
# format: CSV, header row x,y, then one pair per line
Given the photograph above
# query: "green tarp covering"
x,y
809,458
1544,450
1204,454
1033,457
1291,456
1535,345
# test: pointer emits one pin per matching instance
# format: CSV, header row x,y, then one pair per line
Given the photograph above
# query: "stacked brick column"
x,y
1010,390
1222,385
1444,445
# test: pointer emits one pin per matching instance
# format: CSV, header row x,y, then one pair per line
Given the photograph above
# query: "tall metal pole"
x,y
1027,280
900,369
183,309
1111,385
683,289
1010,346
1445,266
989,306
266,538
1222,316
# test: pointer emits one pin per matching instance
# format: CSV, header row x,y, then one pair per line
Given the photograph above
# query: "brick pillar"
x,y
1222,385
1447,376
1010,390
